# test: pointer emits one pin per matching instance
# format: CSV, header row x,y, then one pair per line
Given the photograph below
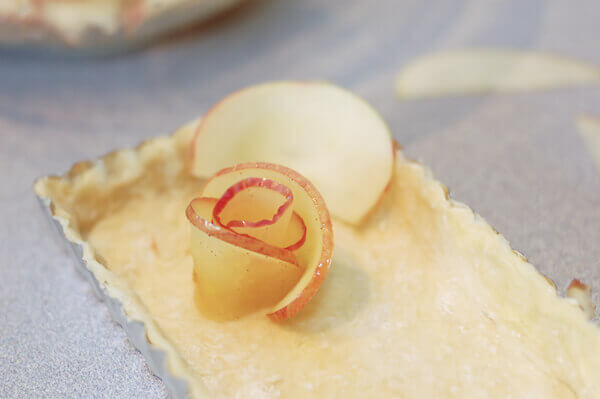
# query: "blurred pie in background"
x,y
97,24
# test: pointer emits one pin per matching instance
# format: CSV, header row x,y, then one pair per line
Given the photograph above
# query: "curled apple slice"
x,y
261,208
235,273
262,238
328,134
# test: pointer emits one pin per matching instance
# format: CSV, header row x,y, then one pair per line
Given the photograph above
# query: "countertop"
x,y
515,158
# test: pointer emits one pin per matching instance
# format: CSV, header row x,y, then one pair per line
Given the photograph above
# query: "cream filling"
x,y
423,301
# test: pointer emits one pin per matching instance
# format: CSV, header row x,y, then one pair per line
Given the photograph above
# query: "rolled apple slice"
x,y
326,133
236,273
314,255
263,209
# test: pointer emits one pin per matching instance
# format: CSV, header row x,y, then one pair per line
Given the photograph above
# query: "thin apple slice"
x,y
291,237
261,208
314,256
491,70
236,274
326,133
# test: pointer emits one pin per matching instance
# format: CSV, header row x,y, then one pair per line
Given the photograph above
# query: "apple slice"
x,y
311,254
236,273
328,134
261,208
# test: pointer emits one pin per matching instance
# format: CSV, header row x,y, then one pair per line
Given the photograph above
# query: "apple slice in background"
x,y
324,132
491,70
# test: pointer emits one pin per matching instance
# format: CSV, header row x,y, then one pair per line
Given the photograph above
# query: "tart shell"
x,y
70,207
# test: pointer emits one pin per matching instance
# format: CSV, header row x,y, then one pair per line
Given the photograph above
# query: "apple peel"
x,y
282,228
262,237
199,213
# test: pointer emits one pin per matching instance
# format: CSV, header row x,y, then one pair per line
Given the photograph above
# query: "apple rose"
x,y
261,238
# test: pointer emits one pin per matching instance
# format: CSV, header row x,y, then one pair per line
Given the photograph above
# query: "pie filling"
x,y
423,300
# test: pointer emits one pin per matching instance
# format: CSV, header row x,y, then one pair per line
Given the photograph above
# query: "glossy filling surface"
x,y
423,300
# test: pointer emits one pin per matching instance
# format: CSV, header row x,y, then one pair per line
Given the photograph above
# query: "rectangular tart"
x,y
425,300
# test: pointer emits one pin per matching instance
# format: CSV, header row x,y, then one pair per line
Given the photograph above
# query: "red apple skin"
x,y
305,296
255,182
298,244
252,182
240,240
577,284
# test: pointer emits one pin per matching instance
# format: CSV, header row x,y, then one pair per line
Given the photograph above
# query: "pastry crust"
x,y
440,305
583,295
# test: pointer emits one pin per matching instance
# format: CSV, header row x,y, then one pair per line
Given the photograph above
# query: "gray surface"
x,y
516,159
